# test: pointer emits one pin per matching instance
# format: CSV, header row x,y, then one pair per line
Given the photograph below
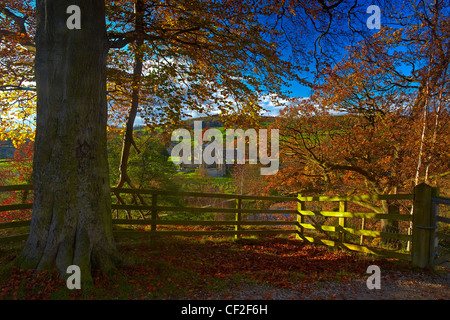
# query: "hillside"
x,y
6,150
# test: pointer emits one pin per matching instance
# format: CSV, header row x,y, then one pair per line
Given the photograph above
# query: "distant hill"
x,y
215,122
6,150
212,122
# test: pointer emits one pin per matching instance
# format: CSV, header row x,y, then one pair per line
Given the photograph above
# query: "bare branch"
x,y
16,88
20,21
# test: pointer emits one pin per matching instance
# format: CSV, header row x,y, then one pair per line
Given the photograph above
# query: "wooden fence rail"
x,y
438,254
304,224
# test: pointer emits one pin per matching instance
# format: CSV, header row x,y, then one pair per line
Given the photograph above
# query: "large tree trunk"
x,y
71,221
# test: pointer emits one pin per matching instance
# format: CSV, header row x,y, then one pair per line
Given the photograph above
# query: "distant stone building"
x,y
215,169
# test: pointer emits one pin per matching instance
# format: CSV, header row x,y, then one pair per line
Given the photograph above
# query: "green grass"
x,y
6,166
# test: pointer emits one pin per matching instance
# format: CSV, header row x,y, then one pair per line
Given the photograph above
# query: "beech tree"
x,y
71,221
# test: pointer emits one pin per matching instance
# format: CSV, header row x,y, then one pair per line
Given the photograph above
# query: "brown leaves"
x,y
182,268
29,285
356,152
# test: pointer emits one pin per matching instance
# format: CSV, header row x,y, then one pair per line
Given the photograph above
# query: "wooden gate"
x,y
442,240
431,245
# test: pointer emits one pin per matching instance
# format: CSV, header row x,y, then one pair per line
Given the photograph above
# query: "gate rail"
x,y
440,255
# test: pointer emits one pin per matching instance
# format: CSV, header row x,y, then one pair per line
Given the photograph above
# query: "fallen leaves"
x,y
29,284
182,268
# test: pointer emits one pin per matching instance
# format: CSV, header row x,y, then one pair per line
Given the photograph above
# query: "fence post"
x,y
154,217
301,205
342,221
237,227
424,229
434,222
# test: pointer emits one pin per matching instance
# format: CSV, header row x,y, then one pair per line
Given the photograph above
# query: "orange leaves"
x,y
197,59
186,268
356,152
17,96
35,286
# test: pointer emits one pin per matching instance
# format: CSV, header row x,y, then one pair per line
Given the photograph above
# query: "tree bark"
x,y
128,140
71,222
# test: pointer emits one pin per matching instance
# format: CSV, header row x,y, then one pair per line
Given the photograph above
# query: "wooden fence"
x,y
237,222
314,226
428,251
342,231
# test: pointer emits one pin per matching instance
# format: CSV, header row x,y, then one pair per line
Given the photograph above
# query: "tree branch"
x,y
20,21
369,206
16,88
22,33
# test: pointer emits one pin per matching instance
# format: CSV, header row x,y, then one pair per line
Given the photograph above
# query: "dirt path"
x,y
394,286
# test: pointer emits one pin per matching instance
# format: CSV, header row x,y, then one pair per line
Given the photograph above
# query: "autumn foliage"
x,y
378,119
353,154
17,171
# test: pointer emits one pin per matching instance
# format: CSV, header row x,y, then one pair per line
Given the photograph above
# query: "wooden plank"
x,y
359,198
369,215
433,222
319,227
175,193
18,187
443,219
203,223
238,217
300,219
203,194
359,232
15,224
441,200
154,211
15,238
376,234
379,252
442,259
326,242
342,220
13,207
202,210
269,198
131,207
358,248
363,227
202,233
